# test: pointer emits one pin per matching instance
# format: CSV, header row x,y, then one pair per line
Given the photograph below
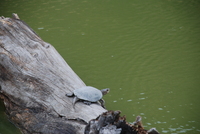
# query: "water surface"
x,y
147,53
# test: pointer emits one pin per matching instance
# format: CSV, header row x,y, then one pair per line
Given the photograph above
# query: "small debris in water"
x,y
148,124
141,98
173,118
41,28
141,113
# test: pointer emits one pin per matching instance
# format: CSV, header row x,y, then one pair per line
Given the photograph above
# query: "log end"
x,y
111,122
15,16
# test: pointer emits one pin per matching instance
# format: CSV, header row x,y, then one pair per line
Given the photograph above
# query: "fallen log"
x,y
34,80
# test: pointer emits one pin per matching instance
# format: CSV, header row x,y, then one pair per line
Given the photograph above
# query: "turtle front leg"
x,y
69,94
102,102
75,100
87,102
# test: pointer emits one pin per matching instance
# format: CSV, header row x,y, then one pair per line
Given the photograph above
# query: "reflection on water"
x,y
147,53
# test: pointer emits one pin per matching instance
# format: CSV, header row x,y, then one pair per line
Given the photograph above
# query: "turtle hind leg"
x,y
75,100
102,102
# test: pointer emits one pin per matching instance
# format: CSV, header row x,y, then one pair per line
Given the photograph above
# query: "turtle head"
x,y
105,91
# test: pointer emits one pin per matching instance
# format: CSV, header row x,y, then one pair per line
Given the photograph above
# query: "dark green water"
x,y
146,52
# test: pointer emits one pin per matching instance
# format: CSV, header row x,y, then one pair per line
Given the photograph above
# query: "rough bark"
x,y
111,122
34,79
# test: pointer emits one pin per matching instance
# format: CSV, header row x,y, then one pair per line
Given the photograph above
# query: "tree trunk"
x,y
34,79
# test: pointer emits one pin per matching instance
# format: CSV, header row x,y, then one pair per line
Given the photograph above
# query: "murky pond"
x,y
146,52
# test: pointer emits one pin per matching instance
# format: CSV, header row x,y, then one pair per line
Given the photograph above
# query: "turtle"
x,y
89,94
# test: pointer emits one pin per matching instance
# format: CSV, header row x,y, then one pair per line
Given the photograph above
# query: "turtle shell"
x,y
88,93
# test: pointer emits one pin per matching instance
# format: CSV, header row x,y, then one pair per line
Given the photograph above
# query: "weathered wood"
x,y
34,79
111,122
